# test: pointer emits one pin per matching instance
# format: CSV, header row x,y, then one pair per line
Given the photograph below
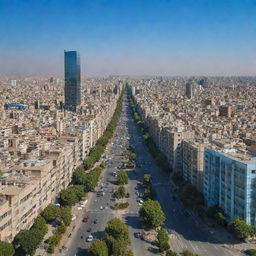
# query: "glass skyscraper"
x,y
72,80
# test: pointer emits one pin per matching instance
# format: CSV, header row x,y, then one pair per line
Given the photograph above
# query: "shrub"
x,y
122,178
66,215
61,229
53,242
240,229
121,205
163,240
171,253
120,193
250,252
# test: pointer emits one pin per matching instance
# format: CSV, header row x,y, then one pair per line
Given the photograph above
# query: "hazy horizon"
x,y
131,38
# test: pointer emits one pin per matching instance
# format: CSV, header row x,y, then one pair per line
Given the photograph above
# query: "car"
x,y
85,219
89,230
79,208
101,207
95,221
89,238
140,201
137,234
73,218
82,205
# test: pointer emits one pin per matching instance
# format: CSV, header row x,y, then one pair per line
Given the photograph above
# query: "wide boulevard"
x,y
185,228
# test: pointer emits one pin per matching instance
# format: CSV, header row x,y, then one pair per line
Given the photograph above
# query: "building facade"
x,y
193,163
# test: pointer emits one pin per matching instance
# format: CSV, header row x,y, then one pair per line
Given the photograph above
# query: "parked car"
x,y
137,234
89,238
85,219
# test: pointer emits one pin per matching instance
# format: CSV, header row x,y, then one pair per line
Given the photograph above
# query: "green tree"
x,y
61,229
6,249
117,247
79,191
188,253
51,213
117,229
132,156
103,164
98,248
66,215
152,214
89,163
120,193
147,179
129,253
240,229
122,178
40,224
163,240
79,176
27,241
68,197
53,242
171,253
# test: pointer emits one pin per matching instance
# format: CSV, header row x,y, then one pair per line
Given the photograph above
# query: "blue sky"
x,y
140,37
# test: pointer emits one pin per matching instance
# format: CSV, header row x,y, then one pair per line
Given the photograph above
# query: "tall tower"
x,y
189,89
72,80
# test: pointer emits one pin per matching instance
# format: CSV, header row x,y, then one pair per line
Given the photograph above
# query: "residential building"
x,y
230,183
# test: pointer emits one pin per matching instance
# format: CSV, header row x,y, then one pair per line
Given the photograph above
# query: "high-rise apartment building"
x,y
229,182
72,80
193,162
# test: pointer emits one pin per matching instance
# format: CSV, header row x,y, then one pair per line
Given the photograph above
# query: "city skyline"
x,y
129,38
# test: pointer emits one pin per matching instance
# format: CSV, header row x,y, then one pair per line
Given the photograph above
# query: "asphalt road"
x,y
185,229
77,242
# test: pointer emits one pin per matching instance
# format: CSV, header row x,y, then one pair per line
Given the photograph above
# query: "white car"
x,y
79,208
101,207
140,201
89,238
82,205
